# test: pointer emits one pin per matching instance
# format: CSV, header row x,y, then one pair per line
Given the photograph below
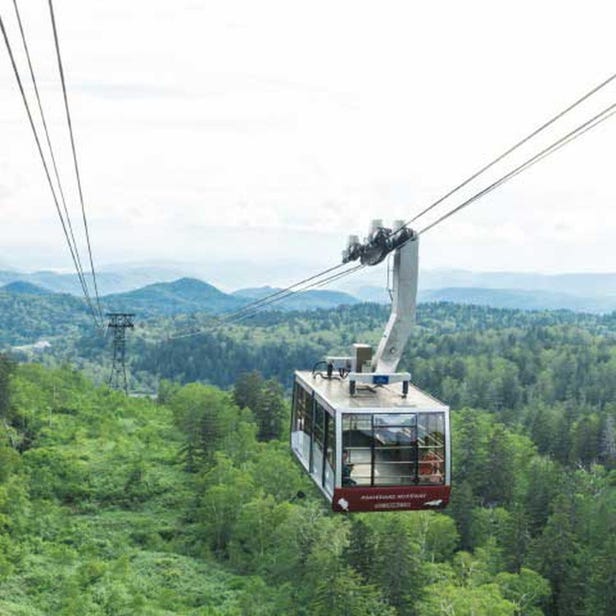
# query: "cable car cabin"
x,y
374,450
368,438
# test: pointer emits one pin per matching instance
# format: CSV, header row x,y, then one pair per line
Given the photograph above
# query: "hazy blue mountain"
x,y
6,277
581,292
180,296
192,295
378,295
123,279
53,281
585,291
583,285
25,288
308,300
519,299
256,292
108,281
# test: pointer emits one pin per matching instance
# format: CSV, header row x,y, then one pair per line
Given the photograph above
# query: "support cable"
x,y
514,147
552,148
557,145
252,309
281,294
318,283
45,167
70,128
338,276
51,151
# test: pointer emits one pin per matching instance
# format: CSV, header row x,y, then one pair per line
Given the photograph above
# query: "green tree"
x,y
207,418
499,479
247,389
527,590
462,506
166,390
226,491
586,438
515,538
252,544
394,540
333,586
543,485
607,451
265,399
557,555
7,368
270,413
361,551
447,599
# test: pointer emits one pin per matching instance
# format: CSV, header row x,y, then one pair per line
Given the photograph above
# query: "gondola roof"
x,y
336,393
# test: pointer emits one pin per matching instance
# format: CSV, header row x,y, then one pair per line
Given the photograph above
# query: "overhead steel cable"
x,y
514,147
260,301
560,143
318,283
338,276
282,292
70,129
253,308
557,145
51,151
45,167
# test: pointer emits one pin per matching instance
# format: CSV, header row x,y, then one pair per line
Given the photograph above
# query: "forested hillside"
x,y
188,504
29,313
26,318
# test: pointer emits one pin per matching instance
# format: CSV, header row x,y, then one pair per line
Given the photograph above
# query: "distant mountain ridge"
x,y
166,292
121,279
192,295
108,282
256,292
188,295
581,284
24,288
180,296
519,299
28,312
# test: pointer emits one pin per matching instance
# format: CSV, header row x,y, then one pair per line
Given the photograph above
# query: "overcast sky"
x,y
264,131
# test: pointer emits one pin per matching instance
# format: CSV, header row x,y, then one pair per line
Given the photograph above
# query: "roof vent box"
x,y
362,356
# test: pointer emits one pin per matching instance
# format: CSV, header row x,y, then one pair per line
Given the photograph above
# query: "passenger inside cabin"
x,y
347,468
430,468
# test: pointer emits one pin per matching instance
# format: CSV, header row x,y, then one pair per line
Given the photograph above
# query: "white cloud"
x,y
300,118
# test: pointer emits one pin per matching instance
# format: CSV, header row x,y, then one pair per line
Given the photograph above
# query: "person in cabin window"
x,y
347,468
430,467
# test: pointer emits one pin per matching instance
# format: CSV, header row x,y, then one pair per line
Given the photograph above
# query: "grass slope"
x,y
96,505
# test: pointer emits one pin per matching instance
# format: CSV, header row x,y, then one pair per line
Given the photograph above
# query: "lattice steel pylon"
x,y
119,322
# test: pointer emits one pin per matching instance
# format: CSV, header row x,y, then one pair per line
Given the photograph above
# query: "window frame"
x,y
318,417
441,416
308,418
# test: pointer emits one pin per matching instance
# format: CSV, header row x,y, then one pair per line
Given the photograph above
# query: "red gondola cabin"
x,y
374,450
